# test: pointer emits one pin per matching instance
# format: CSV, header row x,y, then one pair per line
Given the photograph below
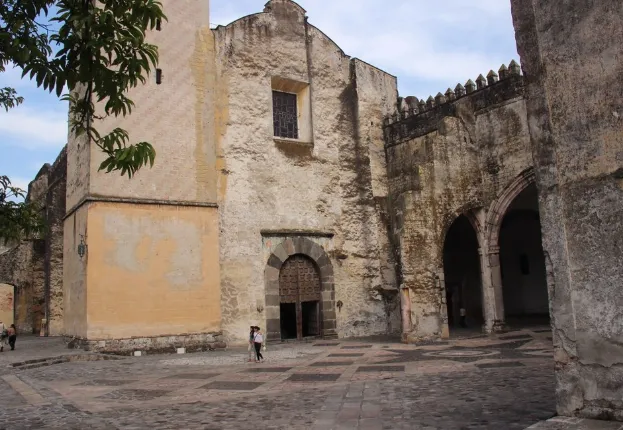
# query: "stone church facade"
x,y
294,189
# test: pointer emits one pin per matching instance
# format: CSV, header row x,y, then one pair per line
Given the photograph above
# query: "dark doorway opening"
x,y
461,263
522,262
288,320
311,318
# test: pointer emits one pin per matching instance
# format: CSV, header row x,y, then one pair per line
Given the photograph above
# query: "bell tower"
x,y
151,266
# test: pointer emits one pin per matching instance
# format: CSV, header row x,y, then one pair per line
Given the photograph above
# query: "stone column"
x,y
488,296
495,322
445,328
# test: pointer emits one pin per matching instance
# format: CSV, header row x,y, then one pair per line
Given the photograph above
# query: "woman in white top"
x,y
258,338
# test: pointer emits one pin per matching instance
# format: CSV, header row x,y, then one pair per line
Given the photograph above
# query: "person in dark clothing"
x,y
12,332
258,338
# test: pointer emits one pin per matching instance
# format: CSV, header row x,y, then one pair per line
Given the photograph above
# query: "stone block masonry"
x,y
572,54
463,153
34,267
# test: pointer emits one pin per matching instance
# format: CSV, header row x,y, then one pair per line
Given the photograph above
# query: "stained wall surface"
x,y
572,56
447,158
7,296
324,184
168,255
150,268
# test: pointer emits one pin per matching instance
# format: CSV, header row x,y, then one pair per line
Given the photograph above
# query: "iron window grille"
x,y
285,115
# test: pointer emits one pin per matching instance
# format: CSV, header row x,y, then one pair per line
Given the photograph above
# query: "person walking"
x,y
251,348
4,336
258,339
12,332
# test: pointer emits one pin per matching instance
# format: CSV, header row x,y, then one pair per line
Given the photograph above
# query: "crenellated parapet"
x,y
417,117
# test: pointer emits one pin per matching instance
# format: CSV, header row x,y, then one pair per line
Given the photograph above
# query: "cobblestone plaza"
x,y
474,382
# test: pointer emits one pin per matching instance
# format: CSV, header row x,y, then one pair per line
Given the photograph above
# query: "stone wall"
x,y
572,54
35,265
450,155
53,264
330,183
18,267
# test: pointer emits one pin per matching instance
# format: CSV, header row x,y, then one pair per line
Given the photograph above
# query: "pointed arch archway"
x,y
500,206
462,275
515,253
305,266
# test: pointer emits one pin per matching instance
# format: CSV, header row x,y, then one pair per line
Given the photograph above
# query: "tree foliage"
x,y
90,53
17,219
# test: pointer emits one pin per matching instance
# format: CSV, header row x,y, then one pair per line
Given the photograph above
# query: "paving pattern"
x,y
503,382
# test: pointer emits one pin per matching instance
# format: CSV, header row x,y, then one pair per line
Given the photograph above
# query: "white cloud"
x,y
33,128
426,44
12,77
20,182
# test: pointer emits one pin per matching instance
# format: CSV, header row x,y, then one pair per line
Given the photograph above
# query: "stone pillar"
x,y
488,296
492,293
445,328
496,321
573,73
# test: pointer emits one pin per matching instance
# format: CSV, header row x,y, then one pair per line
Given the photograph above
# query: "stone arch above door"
x,y
286,249
500,205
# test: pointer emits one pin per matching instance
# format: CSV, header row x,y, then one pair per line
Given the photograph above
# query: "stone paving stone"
x,y
269,370
106,383
330,363
515,336
134,394
345,355
232,385
193,376
356,346
361,369
500,364
314,377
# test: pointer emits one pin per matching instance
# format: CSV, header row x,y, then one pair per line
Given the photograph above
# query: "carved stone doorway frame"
x,y
281,253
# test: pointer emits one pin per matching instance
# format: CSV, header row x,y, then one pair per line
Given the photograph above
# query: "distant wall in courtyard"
x,y
35,266
452,155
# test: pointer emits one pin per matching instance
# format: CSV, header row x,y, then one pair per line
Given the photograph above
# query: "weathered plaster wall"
x,y
74,275
151,268
319,187
7,293
445,158
572,56
168,255
172,116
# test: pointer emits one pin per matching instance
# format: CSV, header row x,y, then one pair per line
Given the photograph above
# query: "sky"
x,y
429,45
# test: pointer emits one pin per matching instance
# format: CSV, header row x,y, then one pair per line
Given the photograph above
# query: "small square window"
x,y
285,115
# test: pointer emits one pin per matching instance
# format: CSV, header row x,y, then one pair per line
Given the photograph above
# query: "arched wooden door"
x,y
300,294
